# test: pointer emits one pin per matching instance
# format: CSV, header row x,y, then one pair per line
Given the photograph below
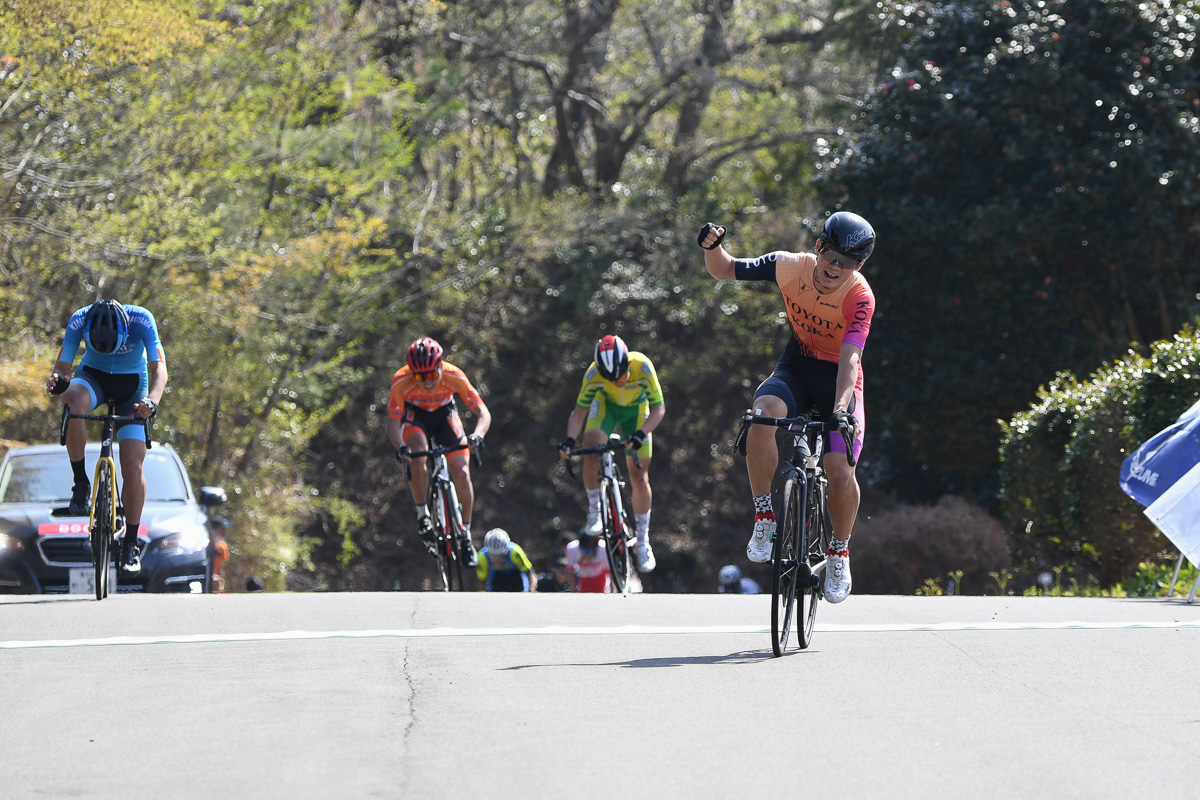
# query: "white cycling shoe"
x,y
837,576
758,549
644,557
594,526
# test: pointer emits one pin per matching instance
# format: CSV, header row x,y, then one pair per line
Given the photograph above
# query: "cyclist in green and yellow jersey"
x,y
620,391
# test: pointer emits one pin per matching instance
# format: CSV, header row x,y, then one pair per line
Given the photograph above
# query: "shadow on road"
x,y
740,657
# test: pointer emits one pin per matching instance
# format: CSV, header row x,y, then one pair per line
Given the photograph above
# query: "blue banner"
x,y
1155,467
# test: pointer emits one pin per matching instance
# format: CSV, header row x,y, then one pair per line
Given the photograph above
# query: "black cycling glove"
x,y
401,452
567,444
707,229
475,440
636,440
844,419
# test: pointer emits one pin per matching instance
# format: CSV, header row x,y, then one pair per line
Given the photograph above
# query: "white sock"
x,y
593,501
422,511
643,526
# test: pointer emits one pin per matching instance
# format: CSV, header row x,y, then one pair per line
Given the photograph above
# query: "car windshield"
x,y
46,478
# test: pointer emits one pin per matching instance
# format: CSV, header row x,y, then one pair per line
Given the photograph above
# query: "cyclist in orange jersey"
x,y
829,305
422,409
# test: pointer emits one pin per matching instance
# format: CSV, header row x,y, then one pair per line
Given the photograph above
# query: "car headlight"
x,y
10,543
195,539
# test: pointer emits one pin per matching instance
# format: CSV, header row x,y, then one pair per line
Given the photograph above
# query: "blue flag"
x,y
1159,463
1164,475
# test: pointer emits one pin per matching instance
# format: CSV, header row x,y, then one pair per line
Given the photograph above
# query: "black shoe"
x,y
131,560
466,551
425,529
81,500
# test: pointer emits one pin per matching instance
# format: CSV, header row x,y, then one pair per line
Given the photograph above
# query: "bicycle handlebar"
x,y
611,444
119,421
798,424
440,450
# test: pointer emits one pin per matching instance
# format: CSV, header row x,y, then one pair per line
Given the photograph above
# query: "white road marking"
x,y
562,630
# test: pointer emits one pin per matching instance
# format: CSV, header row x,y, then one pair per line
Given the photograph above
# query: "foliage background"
x,y
298,190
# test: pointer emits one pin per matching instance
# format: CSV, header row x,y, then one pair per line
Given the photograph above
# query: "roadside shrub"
x,y
1060,463
903,549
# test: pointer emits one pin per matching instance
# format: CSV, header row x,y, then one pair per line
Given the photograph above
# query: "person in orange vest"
x,y
218,553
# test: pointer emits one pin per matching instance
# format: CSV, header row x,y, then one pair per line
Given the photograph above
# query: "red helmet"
x,y
612,357
424,355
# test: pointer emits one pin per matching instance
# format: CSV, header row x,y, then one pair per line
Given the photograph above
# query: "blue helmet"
x,y
106,326
849,234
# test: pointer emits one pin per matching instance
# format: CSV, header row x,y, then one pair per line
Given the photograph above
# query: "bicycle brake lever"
x,y
850,459
66,417
739,444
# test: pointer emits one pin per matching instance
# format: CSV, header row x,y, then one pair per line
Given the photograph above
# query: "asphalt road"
x,y
426,695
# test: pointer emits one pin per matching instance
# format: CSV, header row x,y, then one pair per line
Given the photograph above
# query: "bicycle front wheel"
x,y
102,529
814,538
443,548
454,537
616,540
789,565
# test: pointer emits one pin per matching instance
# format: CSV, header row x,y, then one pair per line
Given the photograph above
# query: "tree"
x,y
1032,171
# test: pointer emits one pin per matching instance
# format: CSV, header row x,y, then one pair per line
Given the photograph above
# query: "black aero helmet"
x,y
106,326
849,234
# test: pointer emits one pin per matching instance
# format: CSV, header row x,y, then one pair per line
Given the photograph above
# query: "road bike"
x,y
619,538
799,556
106,522
441,499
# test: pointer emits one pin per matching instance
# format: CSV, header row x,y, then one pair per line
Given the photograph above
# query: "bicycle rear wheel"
x,y
787,558
102,532
616,543
814,538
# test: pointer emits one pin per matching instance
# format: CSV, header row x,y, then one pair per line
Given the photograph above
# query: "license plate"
x,y
82,580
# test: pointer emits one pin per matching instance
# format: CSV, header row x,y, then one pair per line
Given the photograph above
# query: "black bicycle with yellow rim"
x,y
107,516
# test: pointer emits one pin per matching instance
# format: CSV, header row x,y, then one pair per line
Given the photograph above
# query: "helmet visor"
x,y
835,258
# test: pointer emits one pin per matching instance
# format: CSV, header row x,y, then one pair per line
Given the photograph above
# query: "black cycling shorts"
x,y
442,426
805,384
509,581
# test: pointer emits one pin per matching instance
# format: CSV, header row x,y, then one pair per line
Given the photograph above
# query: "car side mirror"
x,y
212,496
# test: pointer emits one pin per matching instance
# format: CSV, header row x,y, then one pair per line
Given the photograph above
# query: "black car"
x,y
44,550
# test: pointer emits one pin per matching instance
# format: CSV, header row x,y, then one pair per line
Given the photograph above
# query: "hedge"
x,y
1061,459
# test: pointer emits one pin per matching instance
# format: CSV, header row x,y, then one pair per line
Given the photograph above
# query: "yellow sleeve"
x,y
519,558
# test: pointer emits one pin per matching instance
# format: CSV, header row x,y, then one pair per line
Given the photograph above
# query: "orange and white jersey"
x,y
406,389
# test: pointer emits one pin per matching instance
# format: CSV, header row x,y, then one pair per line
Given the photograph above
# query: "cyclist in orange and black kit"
x,y
421,409
829,305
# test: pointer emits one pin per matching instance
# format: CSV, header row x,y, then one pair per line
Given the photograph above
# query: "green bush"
x,y
1061,459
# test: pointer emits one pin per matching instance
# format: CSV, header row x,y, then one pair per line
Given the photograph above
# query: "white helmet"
x,y
496,541
729,575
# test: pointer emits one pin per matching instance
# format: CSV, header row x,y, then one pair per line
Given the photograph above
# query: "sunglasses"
x,y
433,375
837,259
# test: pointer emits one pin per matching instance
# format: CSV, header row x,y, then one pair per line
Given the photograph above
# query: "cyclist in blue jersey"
x,y
122,360
503,565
